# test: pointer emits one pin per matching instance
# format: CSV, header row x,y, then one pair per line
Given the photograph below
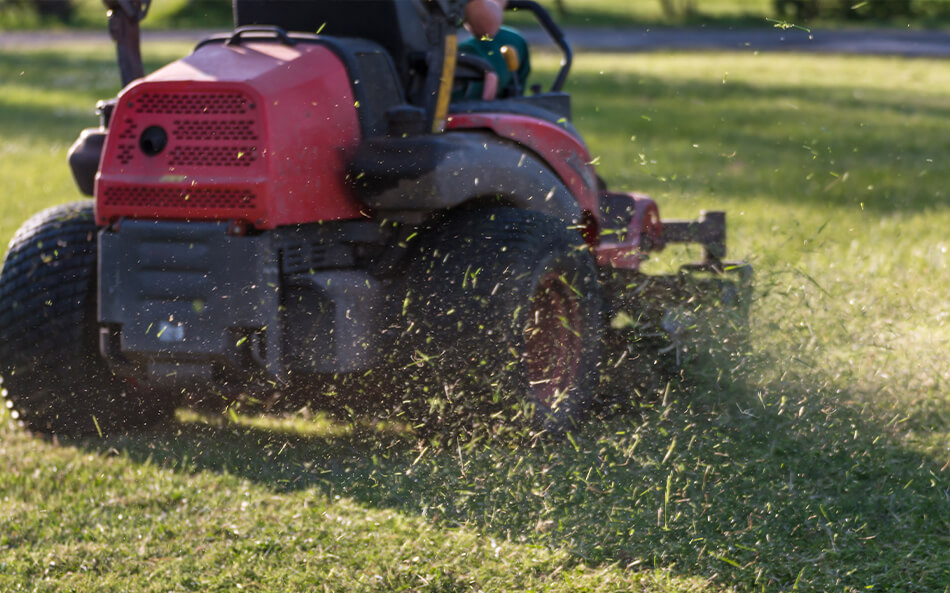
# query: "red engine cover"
x,y
259,132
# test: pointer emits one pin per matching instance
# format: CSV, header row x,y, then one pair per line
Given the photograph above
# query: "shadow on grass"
x,y
86,70
925,16
591,17
33,124
786,487
67,84
830,145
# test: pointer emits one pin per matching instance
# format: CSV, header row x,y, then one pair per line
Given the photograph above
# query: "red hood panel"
x,y
260,133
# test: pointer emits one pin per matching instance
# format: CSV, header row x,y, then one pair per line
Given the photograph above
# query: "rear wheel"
x,y
54,379
506,304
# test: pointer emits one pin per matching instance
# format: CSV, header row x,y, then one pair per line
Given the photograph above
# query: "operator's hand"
x,y
483,17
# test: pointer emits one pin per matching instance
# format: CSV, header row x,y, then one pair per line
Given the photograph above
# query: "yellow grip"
x,y
445,84
511,57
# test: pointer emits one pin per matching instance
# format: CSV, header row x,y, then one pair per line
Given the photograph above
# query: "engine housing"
x,y
258,132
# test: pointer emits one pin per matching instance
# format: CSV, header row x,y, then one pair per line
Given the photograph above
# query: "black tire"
x,y
54,379
507,301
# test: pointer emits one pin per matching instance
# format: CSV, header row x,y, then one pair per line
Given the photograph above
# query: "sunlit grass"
x,y
831,171
822,463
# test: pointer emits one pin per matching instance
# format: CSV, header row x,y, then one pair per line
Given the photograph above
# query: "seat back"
x,y
397,25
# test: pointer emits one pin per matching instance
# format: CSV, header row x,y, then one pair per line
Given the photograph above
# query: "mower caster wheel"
x,y
54,379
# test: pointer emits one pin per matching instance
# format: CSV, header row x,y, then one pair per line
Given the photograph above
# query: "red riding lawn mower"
x,y
279,210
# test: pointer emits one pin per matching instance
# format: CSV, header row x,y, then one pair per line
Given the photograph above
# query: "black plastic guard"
x,y
420,174
189,293
189,302
84,157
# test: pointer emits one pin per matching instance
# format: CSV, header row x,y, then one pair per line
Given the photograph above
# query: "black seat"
x,y
399,26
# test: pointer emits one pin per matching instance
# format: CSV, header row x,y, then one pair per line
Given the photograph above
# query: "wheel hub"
x,y
553,342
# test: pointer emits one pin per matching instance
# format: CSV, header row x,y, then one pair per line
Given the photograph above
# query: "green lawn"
x,y
650,12
174,14
820,463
